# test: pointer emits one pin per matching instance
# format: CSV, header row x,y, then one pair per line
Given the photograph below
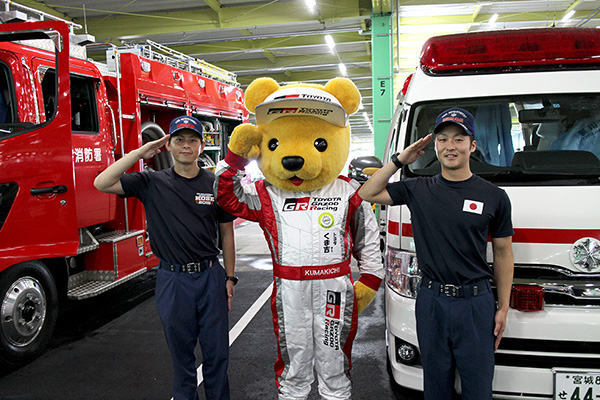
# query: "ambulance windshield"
x,y
521,138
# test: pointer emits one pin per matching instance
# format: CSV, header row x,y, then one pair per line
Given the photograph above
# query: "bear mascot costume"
x,y
313,221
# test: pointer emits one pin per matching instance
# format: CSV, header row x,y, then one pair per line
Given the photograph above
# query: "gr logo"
x,y
296,204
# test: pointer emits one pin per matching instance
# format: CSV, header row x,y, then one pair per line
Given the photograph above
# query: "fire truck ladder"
x,y
158,52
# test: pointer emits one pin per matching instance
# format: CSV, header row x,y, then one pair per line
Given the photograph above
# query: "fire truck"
x,y
535,95
63,120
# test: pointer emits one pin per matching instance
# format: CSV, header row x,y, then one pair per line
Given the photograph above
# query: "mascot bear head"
x,y
301,139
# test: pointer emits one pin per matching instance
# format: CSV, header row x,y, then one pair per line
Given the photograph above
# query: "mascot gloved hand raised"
x,y
313,221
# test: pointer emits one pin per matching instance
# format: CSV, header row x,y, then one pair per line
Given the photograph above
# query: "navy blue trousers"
x,y
193,309
456,333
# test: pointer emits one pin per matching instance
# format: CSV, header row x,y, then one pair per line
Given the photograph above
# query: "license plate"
x,y
576,385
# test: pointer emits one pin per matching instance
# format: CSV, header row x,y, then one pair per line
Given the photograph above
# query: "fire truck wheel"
x,y
28,312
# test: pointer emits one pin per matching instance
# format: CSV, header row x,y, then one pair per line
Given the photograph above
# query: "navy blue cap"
x,y
458,116
186,122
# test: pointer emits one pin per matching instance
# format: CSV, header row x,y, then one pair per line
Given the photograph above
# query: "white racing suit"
x,y
311,236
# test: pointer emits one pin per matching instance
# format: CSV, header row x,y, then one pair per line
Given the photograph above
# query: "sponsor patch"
x,y
333,313
472,206
205,199
326,220
311,204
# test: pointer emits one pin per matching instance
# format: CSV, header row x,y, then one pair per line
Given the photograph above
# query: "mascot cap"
x,y
305,101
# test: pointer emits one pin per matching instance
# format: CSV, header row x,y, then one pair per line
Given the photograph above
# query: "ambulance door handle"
x,y
53,189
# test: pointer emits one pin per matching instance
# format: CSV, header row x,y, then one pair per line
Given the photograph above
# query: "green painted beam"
x,y
292,61
270,43
383,88
203,18
308,76
269,55
572,6
214,4
43,7
381,7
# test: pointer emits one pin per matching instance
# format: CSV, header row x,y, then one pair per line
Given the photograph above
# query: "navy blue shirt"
x,y
182,213
451,223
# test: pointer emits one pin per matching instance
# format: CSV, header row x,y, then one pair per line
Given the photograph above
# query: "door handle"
x,y
53,189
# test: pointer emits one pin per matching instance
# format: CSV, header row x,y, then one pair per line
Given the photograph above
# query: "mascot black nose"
x,y
293,163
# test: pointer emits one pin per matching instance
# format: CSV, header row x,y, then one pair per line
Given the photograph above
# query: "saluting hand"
x,y
151,149
415,150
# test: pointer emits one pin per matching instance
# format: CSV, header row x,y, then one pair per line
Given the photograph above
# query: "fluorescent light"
x,y
493,19
568,16
329,41
342,68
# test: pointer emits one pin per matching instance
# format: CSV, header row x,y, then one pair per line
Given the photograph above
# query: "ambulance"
x,y
535,95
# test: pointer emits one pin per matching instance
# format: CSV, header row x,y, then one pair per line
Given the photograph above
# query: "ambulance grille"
x,y
548,354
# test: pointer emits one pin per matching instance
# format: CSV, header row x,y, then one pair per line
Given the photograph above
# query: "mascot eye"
x,y
273,143
321,145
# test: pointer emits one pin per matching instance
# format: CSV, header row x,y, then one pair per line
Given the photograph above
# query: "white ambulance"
x,y
535,95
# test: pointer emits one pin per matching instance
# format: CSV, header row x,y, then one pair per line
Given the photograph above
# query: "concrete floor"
x,y
112,346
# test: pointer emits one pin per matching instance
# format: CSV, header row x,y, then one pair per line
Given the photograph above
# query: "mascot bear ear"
x,y
346,92
258,91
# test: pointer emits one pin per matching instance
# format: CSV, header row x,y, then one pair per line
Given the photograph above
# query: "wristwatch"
x,y
233,279
394,159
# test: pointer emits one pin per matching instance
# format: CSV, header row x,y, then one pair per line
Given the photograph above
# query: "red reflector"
x,y
527,298
511,48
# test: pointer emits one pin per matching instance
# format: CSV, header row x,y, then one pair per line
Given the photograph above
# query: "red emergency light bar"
x,y
527,298
511,50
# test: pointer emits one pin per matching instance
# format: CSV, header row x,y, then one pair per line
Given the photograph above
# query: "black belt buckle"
x,y
451,290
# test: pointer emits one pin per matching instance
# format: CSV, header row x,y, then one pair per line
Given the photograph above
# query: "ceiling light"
x,y
342,68
568,16
493,19
329,41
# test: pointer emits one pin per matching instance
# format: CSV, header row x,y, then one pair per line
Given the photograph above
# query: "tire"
x,y
28,312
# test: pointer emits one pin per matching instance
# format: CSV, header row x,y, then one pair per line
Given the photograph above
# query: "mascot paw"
x,y
245,141
364,295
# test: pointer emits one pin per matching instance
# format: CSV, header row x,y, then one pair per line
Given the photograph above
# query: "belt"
x,y
450,290
190,268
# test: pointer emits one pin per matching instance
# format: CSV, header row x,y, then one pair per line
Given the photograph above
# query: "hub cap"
x,y
23,311
585,254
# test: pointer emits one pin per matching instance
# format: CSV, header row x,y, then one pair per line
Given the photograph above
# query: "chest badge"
x,y
472,206
205,199
326,220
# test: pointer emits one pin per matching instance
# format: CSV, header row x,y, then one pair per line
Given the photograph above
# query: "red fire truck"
x,y
63,120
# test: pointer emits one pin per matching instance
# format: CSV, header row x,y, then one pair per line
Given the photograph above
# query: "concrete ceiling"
x,y
285,39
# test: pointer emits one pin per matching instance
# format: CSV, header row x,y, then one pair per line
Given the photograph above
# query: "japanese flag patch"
x,y
472,206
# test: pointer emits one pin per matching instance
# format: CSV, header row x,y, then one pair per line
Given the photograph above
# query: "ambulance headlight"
x,y
402,272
